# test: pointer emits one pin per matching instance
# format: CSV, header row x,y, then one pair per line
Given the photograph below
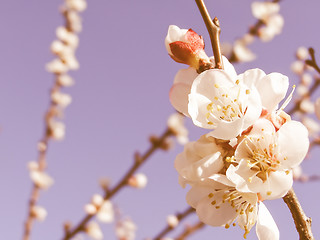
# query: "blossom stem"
x,y
169,228
139,160
190,230
302,222
214,30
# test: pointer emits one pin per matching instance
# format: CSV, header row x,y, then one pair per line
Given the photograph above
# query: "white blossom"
x,y
126,230
242,52
172,221
65,80
41,179
62,99
106,212
176,125
199,160
219,203
302,53
39,213
265,158
297,67
77,5
138,180
56,66
94,231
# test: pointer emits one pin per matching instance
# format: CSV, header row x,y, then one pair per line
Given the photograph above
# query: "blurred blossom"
x,y
317,107
42,147
56,66
106,212
62,99
126,230
75,21
41,179
307,106
104,183
306,79
297,172
262,10
302,53
76,5
97,200
39,213
67,37
176,125
138,180
90,209
57,130
272,28
65,80
297,67
94,231
172,221
242,52
33,166
312,125
302,90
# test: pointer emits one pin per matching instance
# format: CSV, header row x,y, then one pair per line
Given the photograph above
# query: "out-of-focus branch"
x,y
190,230
214,30
64,49
316,83
169,228
138,161
301,221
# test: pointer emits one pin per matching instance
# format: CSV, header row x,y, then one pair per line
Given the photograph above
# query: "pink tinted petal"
x,y
293,143
251,77
179,97
186,76
227,130
272,89
266,228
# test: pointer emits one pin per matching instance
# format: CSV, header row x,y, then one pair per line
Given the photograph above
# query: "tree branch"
x,y
138,161
169,228
190,230
302,222
214,30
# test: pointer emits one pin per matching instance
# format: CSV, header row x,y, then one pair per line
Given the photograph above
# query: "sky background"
x,y
119,99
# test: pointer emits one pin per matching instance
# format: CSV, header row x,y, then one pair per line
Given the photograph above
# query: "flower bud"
x,y
302,53
41,179
138,181
90,209
39,213
172,221
106,213
65,80
186,46
94,231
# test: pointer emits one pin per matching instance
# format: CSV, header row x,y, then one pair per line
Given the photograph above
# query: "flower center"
x,y
225,106
239,202
262,158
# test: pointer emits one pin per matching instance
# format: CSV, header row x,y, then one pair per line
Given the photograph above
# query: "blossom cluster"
x,y
252,145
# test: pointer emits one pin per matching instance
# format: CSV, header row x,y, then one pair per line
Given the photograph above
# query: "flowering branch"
x,y
64,48
316,83
302,222
169,227
190,230
214,30
109,193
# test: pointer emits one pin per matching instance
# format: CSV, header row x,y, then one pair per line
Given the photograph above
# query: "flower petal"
x,y
272,88
293,143
266,228
179,97
251,77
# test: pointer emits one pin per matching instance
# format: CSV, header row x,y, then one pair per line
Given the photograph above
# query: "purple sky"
x,y
120,98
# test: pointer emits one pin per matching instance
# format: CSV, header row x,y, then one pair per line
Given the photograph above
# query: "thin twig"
x,y
168,228
302,222
190,230
138,161
214,30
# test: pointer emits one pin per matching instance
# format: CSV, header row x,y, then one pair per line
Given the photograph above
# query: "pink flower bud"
x,y
186,46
